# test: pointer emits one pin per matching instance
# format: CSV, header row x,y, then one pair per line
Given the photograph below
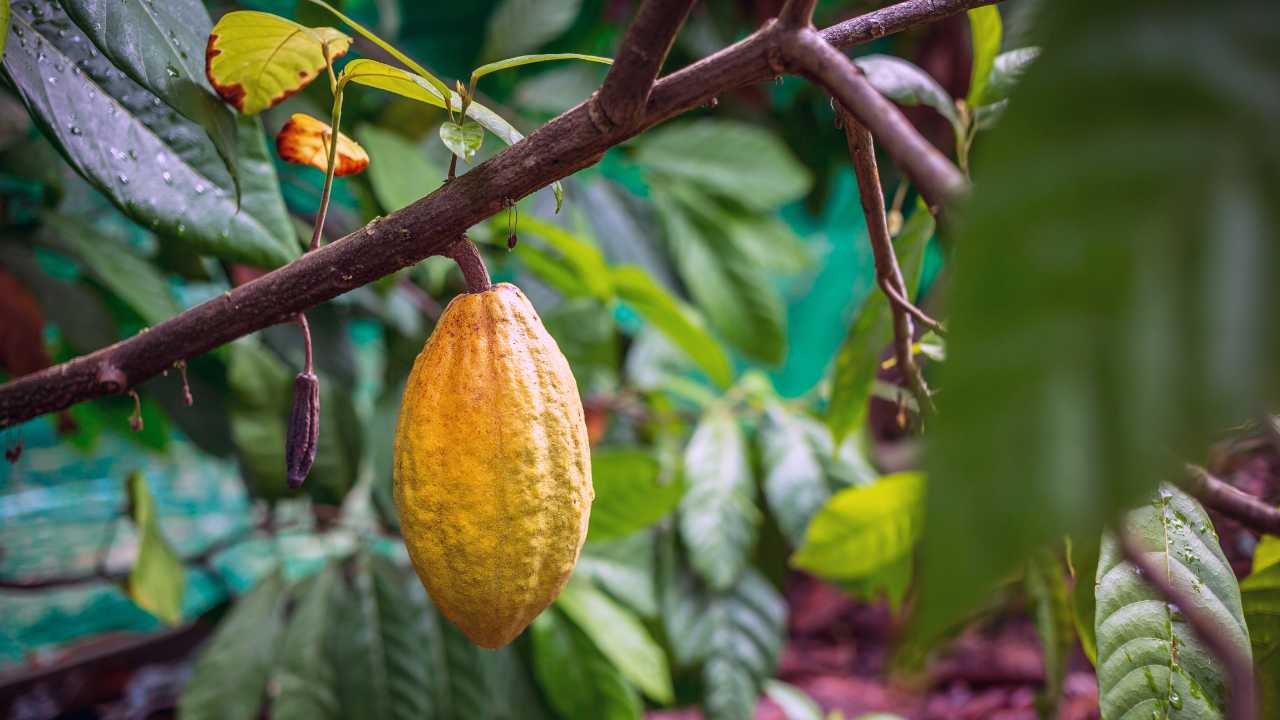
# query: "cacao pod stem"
x,y
474,272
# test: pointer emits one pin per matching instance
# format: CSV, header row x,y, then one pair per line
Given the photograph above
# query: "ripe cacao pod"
x,y
492,466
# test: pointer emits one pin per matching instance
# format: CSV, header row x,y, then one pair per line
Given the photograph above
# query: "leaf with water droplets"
x,y
1148,657
158,167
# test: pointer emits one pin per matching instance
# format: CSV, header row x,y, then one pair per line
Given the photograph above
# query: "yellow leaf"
x,y
305,140
255,59
392,79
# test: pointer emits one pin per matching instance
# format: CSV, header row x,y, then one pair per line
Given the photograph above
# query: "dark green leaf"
x,y
678,322
629,494
156,166
864,529
1149,660
398,169
307,679
795,481
1084,561
463,139
738,161
1110,315
1047,586
906,84
718,515
232,669
157,578
578,680
161,46
872,330
518,26
619,636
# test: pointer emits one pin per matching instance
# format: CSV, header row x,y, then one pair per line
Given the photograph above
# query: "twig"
x,y
909,307
644,48
564,145
888,273
1237,665
797,13
939,180
1240,506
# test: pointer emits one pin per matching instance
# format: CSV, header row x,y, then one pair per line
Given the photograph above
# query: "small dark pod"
x,y
304,429
511,241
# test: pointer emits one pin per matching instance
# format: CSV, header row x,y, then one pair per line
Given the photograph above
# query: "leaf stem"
x,y
334,123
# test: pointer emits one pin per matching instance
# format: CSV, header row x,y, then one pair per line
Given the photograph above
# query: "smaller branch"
x,y
1240,506
888,273
474,272
306,342
644,48
910,308
797,13
938,179
1238,666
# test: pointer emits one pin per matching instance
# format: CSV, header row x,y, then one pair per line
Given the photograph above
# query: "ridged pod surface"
x,y
492,466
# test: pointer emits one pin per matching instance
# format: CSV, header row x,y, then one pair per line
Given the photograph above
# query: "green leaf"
x,y
463,139
518,26
629,494
1006,73
157,578
1047,587
678,322
1084,560
795,481
871,331
307,679
624,569
1266,553
737,161
232,670
864,529
156,166
398,170
1080,301
1149,660
718,515
1260,596
375,74
160,47
795,703
579,681
584,259
521,60
906,84
734,293
255,59
383,674
4,25
620,637
986,31
117,268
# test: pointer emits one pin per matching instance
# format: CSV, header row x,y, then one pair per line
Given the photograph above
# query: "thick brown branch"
x,y
645,46
564,145
939,180
888,273
1240,506
1237,665
797,13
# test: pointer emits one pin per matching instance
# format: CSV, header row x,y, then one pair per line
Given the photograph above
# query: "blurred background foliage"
x,y
710,282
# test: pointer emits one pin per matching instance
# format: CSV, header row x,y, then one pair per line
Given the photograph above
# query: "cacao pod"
x,y
492,466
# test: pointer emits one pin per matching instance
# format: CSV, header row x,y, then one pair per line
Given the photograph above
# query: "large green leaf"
x,y
1113,312
795,481
630,496
1047,587
680,323
624,568
256,60
382,674
1260,596
864,529
161,47
518,26
1150,663
579,681
872,331
718,515
232,670
398,169
735,293
744,163
157,578
158,167
307,679
620,637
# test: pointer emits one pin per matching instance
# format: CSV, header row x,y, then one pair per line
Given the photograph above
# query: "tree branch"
x,y
1240,506
644,48
564,145
888,273
939,180
1238,667
797,13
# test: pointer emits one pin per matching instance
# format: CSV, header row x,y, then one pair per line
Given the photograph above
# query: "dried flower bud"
x,y
304,429
511,241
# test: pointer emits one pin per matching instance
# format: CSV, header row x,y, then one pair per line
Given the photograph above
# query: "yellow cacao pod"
x,y
492,466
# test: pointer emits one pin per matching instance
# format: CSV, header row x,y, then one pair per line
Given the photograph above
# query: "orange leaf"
x,y
305,140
